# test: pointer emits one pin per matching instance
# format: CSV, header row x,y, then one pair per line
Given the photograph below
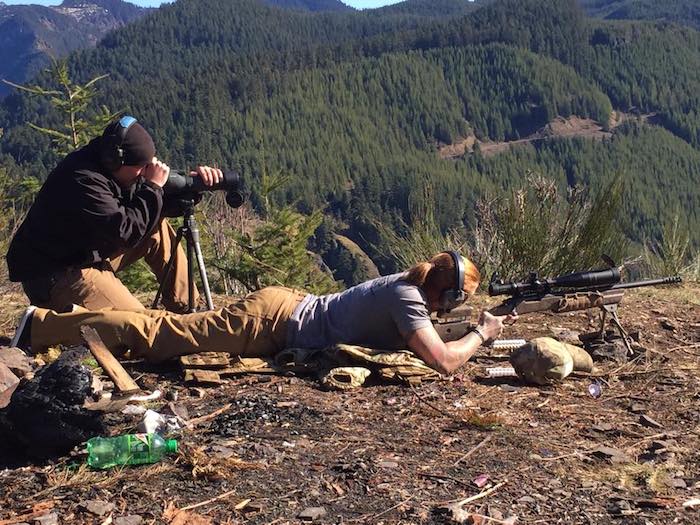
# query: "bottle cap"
x,y
171,446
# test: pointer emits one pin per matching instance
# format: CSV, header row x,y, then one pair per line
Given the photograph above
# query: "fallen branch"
x,y
465,456
372,519
204,419
39,509
207,502
483,494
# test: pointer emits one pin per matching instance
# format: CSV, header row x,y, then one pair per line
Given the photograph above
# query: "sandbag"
x,y
345,377
542,361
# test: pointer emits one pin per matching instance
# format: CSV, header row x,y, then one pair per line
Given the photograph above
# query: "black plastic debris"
x,y
46,417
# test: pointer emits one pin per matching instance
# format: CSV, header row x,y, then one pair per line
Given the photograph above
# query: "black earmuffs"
x,y
453,297
111,152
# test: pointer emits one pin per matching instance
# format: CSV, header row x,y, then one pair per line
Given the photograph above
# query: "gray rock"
x,y
47,519
637,408
97,507
613,455
134,519
667,324
312,514
565,335
679,483
615,351
8,385
527,499
16,360
646,421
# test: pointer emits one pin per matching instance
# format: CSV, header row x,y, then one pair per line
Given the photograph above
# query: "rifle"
x,y
601,289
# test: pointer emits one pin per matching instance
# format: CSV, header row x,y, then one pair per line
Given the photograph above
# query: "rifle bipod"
x,y
612,310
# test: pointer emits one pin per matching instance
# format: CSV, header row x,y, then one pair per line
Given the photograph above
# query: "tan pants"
x,y
98,288
255,326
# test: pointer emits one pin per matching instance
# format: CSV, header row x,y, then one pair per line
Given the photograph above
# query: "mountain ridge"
x,y
31,34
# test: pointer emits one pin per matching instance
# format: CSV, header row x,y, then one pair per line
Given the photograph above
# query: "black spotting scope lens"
x,y
187,187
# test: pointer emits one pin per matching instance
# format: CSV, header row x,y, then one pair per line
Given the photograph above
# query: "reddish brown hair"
x,y
438,274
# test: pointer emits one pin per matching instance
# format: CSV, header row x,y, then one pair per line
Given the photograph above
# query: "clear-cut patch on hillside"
x,y
560,127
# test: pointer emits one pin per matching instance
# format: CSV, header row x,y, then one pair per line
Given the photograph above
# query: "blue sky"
x,y
360,4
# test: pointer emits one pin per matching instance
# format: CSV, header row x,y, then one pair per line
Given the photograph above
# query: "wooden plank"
x,y
203,377
113,368
207,360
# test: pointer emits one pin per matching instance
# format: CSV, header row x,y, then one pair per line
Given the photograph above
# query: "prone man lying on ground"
x,y
391,312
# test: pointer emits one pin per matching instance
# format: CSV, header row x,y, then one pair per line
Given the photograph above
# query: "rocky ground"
x,y
273,449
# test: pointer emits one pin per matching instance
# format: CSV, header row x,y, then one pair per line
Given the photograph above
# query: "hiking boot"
x,y
22,338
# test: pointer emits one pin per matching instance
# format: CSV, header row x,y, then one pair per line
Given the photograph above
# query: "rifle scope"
x,y
592,279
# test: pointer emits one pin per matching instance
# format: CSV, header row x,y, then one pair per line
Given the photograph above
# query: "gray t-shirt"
x,y
374,314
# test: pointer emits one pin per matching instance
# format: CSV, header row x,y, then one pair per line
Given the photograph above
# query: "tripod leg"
x,y
190,273
169,267
203,275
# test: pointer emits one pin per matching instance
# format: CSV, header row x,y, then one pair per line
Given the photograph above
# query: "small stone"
x,y
509,388
391,401
171,395
603,427
613,455
659,446
312,514
527,499
619,507
646,421
16,360
679,483
565,335
495,513
47,519
133,519
97,507
667,324
219,451
615,351
8,385
388,464
198,393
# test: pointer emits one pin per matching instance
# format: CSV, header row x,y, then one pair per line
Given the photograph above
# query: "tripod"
x,y
190,232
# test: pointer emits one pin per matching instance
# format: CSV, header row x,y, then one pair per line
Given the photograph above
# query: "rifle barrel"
x,y
647,282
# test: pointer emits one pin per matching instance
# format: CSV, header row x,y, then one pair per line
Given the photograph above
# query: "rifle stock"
x,y
456,324
558,303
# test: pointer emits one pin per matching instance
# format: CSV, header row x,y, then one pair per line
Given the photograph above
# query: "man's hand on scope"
x,y
210,176
156,172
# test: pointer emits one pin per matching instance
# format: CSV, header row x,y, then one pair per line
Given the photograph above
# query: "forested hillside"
x,y
685,12
353,105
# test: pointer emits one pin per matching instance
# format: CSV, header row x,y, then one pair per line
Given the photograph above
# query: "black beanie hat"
x,y
137,146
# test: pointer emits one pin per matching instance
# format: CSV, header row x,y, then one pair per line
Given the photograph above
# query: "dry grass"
x,y
204,465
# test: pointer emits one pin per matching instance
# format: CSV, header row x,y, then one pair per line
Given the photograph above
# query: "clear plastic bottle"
x,y
128,449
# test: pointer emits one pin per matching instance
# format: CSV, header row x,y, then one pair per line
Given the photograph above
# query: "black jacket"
x,y
81,216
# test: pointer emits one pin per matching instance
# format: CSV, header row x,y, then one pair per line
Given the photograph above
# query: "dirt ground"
x,y
267,449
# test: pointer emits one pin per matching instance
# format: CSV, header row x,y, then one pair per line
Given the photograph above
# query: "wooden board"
x,y
203,377
113,368
206,360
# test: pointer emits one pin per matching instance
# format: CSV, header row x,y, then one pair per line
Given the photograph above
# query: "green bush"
x,y
538,229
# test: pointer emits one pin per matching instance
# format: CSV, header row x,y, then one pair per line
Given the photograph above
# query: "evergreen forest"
x,y
353,108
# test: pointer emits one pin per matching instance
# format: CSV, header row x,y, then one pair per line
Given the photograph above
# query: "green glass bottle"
x,y
129,449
